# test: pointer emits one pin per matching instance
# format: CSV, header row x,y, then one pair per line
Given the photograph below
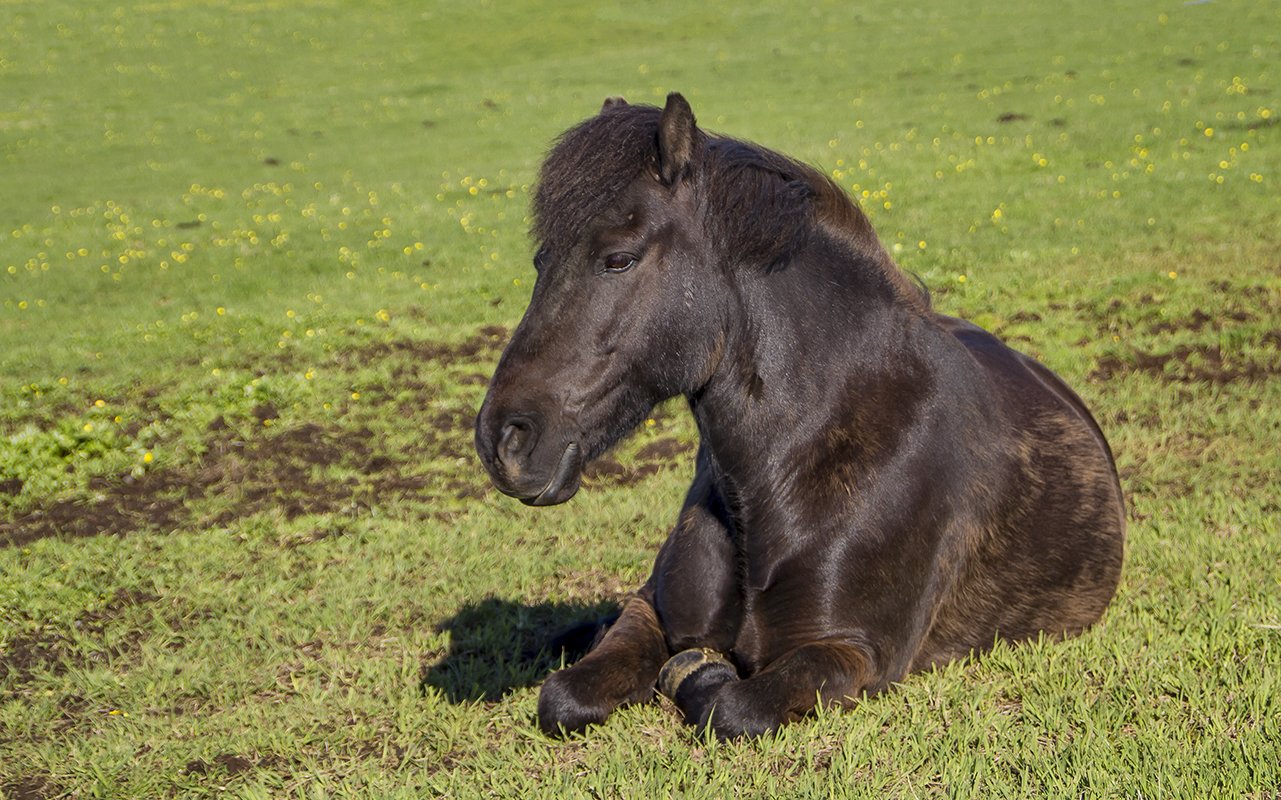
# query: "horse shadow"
x,y
498,646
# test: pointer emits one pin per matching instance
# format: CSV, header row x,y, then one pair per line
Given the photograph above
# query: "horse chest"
x,y
776,615
752,645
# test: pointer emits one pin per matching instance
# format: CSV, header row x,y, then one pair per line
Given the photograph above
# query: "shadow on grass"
x,y
498,645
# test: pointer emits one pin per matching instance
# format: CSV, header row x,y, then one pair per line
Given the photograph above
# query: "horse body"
x,y
879,488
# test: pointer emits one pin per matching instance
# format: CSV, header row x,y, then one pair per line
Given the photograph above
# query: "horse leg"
x,y
711,697
691,600
620,670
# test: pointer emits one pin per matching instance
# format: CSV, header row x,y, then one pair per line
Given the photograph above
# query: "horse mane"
x,y
764,207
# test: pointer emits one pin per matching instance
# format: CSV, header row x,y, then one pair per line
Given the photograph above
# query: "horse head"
x,y
626,306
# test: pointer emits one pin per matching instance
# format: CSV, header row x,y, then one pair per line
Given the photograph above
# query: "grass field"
x,y
258,259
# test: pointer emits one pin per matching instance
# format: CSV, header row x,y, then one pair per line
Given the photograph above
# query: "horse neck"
x,y
798,341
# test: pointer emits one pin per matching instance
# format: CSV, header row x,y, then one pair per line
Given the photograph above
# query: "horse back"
x,y
1026,382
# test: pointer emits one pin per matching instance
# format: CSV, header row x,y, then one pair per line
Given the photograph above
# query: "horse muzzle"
x,y
523,462
564,481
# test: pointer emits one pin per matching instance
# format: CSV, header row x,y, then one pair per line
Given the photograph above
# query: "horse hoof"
x,y
711,667
560,711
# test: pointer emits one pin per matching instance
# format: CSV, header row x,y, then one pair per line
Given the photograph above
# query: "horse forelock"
x,y
588,167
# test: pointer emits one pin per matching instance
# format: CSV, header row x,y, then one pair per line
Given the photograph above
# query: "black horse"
x,y
879,488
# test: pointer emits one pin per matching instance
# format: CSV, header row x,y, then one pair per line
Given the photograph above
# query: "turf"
x,y
258,259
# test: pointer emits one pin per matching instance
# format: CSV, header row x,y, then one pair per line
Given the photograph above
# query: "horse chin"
x,y
564,482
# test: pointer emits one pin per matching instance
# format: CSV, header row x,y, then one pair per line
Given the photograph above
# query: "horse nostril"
x,y
516,440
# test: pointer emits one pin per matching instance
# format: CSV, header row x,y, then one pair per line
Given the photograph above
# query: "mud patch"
x,y
664,449
72,713
282,472
1198,320
1147,312
607,471
486,343
239,477
227,763
54,652
649,459
32,787
251,474
25,655
1188,364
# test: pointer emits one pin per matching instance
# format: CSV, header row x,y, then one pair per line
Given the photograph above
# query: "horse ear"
x,y
675,139
611,103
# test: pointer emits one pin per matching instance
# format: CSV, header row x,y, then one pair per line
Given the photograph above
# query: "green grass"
x,y
254,262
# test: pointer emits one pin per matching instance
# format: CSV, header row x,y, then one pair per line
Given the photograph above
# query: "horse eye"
x,y
619,262
539,259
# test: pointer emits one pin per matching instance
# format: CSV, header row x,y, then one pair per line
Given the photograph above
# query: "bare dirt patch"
x,y
1188,364
663,450
311,468
1146,312
227,763
32,787
250,475
55,652
1233,348
486,342
649,459
282,471
1199,320
24,655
